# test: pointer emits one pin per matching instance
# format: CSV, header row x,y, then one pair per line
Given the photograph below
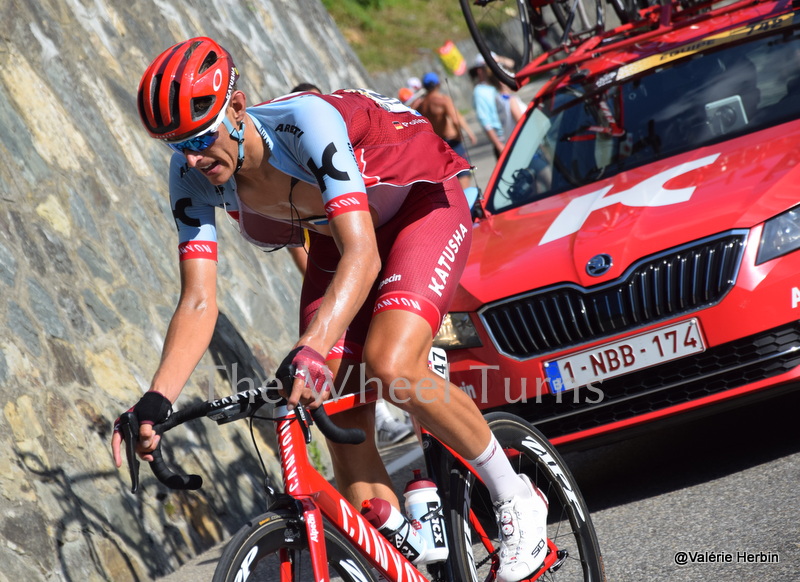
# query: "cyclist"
x,y
390,229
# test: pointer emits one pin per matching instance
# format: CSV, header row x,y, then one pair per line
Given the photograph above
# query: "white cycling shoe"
x,y
523,530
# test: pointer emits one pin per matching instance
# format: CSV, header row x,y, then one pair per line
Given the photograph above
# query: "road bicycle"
x,y
311,533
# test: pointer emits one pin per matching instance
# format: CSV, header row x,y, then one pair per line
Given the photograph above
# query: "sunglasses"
x,y
203,140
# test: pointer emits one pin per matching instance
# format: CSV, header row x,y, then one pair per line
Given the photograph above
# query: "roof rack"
x,y
654,21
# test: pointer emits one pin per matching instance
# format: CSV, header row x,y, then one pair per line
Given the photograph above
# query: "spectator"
x,y
510,107
405,95
485,98
415,84
446,120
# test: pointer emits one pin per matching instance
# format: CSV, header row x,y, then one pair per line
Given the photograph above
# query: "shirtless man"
x,y
446,120
390,230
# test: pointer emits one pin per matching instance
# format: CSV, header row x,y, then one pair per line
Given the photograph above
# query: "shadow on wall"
x,y
96,531
232,354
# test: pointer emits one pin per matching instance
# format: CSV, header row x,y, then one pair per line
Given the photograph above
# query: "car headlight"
x,y
457,332
781,236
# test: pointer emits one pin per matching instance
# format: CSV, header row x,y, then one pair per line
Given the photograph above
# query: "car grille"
x,y
716,370
675,282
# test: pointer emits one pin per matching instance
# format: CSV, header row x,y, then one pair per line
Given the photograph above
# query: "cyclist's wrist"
x,y
306,363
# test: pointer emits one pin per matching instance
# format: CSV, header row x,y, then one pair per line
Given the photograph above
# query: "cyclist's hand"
x,y
152,408
310,379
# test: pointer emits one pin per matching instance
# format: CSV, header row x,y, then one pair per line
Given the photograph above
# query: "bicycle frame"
x,y
309,498
318,498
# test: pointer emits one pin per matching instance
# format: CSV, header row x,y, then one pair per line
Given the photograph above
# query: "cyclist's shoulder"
x,y
293,105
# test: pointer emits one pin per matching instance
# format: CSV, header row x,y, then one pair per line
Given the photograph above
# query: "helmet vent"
x,y
208,62
190,49
201,106
175,113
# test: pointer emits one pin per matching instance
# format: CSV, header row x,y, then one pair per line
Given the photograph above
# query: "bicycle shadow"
x,y
694,452
88,529
242,368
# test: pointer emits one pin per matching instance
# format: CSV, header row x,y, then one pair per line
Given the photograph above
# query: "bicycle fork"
x,y
309,495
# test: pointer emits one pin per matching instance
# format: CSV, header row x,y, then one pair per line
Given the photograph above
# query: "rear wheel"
x,y
273,548
473,528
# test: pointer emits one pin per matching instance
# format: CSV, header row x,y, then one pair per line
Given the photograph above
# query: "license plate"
x,y
592,366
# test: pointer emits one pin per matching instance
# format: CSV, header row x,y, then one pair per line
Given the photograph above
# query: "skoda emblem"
x,y
599,265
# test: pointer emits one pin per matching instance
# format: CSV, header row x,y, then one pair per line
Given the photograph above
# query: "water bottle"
x,y
396,528
424,509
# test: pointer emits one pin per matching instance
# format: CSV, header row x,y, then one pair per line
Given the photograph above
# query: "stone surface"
x,y
88,273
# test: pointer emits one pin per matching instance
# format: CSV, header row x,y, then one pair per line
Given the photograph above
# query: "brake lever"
x,y
129,429
305,420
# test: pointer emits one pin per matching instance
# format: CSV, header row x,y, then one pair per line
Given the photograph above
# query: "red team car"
x,y
636,258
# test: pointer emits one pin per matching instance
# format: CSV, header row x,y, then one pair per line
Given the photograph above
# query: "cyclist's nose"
x,y
192,158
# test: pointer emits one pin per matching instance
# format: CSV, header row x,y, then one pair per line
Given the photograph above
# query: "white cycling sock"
x,y
494,468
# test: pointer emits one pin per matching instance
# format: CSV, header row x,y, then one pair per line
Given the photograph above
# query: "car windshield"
x,y
584,133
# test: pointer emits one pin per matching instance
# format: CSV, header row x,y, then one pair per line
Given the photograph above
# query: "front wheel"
x,y
273,548
473,528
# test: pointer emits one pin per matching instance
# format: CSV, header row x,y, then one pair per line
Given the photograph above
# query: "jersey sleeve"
x,y
326,152
191,199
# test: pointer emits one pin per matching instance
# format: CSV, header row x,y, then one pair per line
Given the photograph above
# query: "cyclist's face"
x,y
217,161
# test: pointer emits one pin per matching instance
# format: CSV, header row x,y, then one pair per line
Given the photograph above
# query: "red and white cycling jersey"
x,y
364,152
360,148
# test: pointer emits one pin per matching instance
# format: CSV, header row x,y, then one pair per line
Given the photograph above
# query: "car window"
x,y
582,134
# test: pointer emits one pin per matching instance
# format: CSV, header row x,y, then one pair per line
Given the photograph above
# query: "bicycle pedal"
x,y
561,557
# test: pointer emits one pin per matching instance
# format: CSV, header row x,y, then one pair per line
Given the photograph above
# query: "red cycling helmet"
x,y
184,90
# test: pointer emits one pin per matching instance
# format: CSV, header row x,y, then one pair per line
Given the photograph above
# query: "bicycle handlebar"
x,y
221,411
335,433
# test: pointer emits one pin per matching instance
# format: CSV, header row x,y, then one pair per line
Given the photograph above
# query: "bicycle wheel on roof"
x,y
510,33
501,29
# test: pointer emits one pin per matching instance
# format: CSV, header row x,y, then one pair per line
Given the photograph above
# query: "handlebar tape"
x,y
334,432
169,477
160,468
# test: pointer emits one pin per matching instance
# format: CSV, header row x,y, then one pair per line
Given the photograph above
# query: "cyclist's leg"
x,y
359,470
424,249
472,529
430,241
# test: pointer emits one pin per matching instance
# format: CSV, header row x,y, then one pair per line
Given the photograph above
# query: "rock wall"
x,y
88,273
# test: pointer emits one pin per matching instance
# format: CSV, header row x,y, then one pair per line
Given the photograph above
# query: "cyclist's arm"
x,y
188,337
193,201
355,274
190,329
192,324
328,154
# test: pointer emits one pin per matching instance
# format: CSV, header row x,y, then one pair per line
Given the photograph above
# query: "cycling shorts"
x,y
423,250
